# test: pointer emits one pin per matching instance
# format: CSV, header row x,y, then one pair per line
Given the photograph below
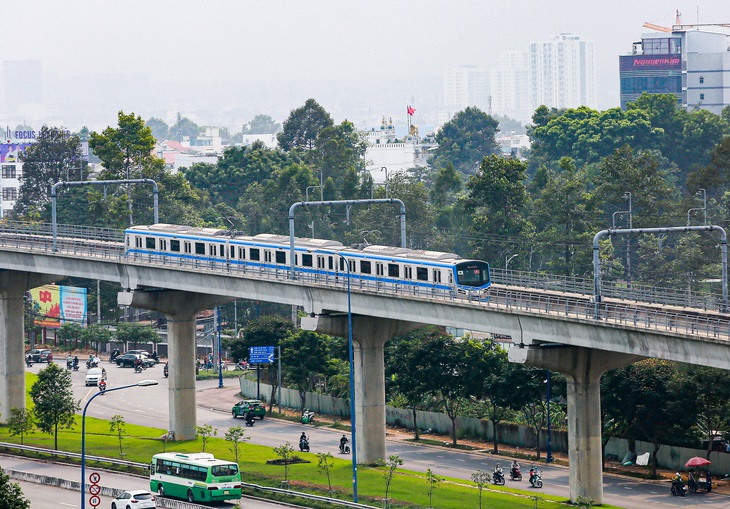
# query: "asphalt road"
x,y
148,406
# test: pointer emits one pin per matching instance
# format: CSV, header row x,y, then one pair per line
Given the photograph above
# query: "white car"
x,y
94,376
134,499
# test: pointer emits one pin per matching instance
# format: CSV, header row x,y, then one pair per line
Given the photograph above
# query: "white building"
x,y
562,73
387,154
13,143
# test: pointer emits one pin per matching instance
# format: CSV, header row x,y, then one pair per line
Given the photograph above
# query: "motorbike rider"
x,y
678,479
102,385
303,440
69,361
76,363
533,474
514,468
138,363
498,472
249,417
343,442
28,360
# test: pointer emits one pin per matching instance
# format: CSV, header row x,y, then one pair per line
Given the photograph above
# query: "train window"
x,y
232,252
200,248
150,241
241,253
254,253
366,267
281,257
422,273
436,276
451,278
342,264
331,263
393,270
175,246
408,272
306,260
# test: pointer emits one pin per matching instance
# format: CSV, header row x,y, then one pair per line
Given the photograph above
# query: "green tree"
x,y
118,426
136,333
205,432
286,453
339,148
562,215
303,126
325,464
630,395
97,335
21,422
713,406
433,481
11,494
394,461
52,396
406,372
482,480
496,200
306,355
183,127
54,157
465,140
236,435
158,127
262,124
125,148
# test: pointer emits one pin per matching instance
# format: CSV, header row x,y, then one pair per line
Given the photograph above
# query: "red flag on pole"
x,y
411,110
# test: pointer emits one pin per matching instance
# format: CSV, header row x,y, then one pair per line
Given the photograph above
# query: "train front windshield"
x,y
473,273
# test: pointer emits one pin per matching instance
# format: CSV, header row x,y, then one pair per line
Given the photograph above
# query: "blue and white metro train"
x,y
379,265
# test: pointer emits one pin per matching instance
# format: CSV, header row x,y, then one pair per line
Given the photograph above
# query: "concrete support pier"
x,y
13,286
369,337
583,368
180,308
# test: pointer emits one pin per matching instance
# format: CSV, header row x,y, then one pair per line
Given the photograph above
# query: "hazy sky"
x,y
385,44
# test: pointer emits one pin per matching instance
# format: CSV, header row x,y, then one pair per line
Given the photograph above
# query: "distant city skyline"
x,y
223,64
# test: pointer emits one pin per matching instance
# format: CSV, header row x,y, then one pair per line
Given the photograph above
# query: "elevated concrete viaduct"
x,y
588,347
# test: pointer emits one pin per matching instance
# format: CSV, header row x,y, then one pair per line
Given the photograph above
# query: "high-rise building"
x,y
691,62
23,81
562,73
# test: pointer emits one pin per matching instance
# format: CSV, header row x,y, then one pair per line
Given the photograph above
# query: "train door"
x,y
379,273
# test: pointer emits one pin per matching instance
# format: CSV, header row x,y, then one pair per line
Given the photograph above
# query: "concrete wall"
x,y
515,435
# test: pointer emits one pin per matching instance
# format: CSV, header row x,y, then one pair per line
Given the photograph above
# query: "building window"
x,y
702,97
702,79
10,193
9,171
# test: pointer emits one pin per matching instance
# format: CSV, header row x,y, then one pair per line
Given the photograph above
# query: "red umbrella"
x,y
697,462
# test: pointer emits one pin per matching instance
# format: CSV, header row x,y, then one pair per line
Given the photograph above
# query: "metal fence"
x,y
532,293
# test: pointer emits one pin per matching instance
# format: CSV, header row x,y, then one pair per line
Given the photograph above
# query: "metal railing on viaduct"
x,y
636,306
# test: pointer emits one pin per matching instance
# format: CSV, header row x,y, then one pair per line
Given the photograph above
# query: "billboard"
x,y
55,305
650,63
9,152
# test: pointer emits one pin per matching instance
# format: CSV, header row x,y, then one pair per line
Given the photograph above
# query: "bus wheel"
x,y
161,490
191,498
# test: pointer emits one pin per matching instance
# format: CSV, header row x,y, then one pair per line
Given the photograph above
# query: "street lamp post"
x,y
549,452
353,434
142,383
508,259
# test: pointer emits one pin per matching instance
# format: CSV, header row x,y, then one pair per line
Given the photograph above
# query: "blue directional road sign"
x,y
261,354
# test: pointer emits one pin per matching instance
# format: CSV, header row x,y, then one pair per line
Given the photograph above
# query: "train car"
x,y
366,265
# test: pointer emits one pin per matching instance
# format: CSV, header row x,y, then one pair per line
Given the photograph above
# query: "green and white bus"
x,y
197,477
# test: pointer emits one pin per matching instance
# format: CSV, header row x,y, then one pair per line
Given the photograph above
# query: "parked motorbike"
x,y
678,487
498,476
535,477
304,445
515,474
307,416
